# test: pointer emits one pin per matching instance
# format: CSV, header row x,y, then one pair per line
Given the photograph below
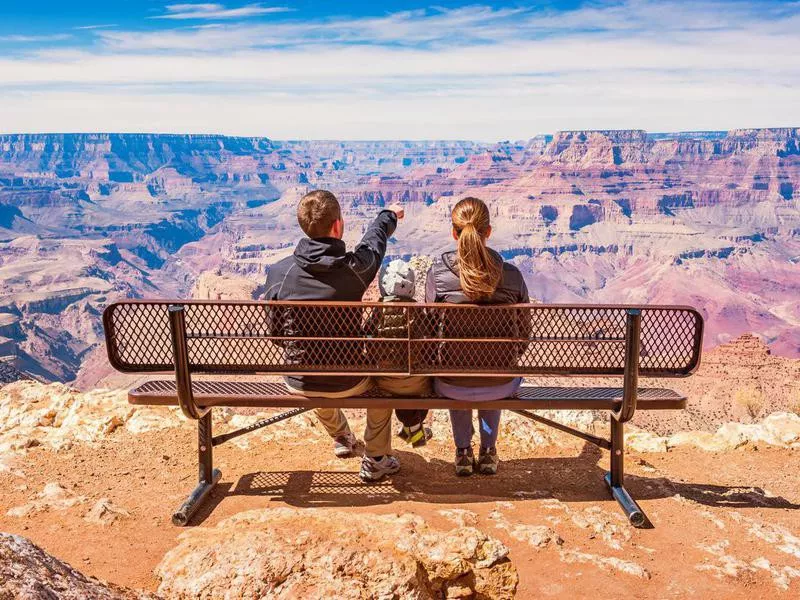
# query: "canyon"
x,y
709,219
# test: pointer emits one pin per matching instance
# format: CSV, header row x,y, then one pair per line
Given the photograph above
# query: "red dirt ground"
x,y
150,474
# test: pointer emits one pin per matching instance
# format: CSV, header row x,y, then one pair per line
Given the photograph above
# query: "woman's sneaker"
x,y
464,462
375,470
343,445
488,461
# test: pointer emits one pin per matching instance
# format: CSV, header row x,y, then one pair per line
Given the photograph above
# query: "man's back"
x,y
322,269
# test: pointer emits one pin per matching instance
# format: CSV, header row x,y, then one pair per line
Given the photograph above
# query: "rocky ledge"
x,y
312,553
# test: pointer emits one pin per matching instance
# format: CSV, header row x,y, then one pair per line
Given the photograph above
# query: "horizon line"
x,y
418,140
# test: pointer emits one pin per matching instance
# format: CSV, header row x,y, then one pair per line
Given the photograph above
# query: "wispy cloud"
x,y
471,72
481,25
33,39
188,11
104,26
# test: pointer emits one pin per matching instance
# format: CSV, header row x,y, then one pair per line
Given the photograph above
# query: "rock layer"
x,y
703,218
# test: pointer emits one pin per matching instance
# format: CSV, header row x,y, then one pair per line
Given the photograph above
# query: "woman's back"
x,y
443,284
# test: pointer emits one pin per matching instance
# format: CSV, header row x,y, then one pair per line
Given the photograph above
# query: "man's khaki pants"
x,y
378,433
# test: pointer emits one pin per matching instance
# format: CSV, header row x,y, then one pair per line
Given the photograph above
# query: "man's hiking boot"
x,y
375,470
417,436
488,461
464,462
343,445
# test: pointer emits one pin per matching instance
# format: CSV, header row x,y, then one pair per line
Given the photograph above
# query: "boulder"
x,y
315,553
28,573
778,429
641,440
703,440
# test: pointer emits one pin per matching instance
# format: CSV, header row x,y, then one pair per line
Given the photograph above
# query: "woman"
x,y
474,274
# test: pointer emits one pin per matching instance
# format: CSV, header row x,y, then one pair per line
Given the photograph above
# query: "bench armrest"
x,y
180,357
633,330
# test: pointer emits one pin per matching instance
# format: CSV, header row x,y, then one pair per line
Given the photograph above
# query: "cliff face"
x,y
707,218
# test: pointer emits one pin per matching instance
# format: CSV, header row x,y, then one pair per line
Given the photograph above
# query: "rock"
x,y
536,536
313,553
461,517
776,536
703,440
644,441
213,286
104,512
29,573
608,563
56,416
613,528
778,429
53,497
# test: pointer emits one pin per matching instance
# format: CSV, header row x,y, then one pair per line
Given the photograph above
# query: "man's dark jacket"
x,y
322,269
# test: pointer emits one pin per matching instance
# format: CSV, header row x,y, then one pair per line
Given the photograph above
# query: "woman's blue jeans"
x,y
489,420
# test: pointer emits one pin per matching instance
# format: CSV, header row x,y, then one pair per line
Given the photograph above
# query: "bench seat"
x,y
274,395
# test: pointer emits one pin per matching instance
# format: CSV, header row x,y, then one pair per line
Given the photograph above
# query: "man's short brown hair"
x,y
317,212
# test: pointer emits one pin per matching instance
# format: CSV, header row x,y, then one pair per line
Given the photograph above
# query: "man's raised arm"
x,y
371,249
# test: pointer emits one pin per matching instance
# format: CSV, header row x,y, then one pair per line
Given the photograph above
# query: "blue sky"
x,y
356,70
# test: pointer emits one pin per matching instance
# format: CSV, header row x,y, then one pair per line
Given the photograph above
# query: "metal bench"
x,y
231,339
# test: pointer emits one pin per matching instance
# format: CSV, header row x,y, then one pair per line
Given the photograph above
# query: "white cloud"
x,y
103,26
34,39
217,11
468,73
511,111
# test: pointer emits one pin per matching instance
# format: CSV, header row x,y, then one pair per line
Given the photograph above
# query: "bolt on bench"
x,y
229,339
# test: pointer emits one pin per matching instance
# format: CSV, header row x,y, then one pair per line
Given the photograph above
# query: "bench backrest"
x,y
395,339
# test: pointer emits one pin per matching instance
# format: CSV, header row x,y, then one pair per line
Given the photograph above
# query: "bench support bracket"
x,y
615,478
221,439
593,439
208,476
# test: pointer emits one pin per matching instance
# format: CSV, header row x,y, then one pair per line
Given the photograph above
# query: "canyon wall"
x,y
703,218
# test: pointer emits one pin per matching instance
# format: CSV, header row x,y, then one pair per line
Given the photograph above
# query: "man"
x,y
322,269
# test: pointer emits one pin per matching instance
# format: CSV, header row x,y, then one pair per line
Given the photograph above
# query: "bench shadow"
x,y
570,479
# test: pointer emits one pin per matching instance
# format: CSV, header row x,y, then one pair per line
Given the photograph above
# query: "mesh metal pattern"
x,y
231,391
348,338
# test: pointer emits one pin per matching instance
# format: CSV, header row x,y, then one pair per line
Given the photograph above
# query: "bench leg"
x,y
208,476
615,477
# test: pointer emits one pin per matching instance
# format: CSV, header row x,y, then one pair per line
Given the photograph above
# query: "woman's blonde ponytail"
x,y
479,272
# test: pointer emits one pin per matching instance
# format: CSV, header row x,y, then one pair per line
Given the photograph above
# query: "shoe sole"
x,y
464,471
342,453
373,478
487,468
